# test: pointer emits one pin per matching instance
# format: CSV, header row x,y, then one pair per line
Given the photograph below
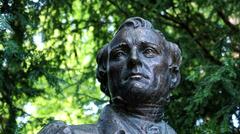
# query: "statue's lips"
x,y
136,76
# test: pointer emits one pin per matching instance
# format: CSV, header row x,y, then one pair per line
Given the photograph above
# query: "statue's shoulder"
x,y
168,129
56,127
59,127
84,129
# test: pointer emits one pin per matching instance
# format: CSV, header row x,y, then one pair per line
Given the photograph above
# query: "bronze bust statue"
x,y
137,70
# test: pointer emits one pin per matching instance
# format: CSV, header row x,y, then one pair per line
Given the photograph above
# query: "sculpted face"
x,y
138,67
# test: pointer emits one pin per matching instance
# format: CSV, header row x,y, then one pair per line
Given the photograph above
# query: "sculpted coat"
x,y
112,121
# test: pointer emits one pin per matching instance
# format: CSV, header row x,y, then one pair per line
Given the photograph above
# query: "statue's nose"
x,y
134,58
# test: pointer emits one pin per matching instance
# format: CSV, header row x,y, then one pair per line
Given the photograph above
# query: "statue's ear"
x,y
174,76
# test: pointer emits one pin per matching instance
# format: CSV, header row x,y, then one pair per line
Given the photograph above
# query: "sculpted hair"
x,y
101,71
135,22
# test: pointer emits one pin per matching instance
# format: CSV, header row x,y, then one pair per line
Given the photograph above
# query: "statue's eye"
x,y
118,54
150,52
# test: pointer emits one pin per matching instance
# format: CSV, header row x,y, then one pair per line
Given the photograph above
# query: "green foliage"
x,y
48,49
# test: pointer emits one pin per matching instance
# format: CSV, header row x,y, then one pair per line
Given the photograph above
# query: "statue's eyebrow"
x,y
121,44
148,42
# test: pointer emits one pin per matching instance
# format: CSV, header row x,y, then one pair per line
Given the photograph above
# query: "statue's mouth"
x,y
136,76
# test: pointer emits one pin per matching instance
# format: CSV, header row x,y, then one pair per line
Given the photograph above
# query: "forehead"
x,y
131,36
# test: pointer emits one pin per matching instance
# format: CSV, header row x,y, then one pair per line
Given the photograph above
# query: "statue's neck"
x,y
151,112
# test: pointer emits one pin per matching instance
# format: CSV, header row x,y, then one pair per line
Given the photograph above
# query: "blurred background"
x,y
48,50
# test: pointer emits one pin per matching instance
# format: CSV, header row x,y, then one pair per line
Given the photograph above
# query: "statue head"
x,y
139,65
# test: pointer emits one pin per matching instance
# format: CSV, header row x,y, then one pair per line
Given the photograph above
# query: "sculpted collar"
x,y
113,121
